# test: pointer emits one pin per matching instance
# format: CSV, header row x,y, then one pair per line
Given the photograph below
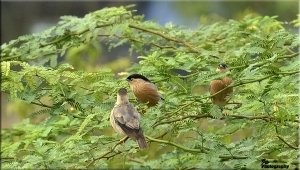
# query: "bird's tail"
x,y
142,142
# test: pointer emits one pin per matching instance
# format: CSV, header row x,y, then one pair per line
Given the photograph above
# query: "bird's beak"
x,y
218,70
127,80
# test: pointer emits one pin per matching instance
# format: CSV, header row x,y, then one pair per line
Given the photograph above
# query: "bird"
x,y
144,90
125,119
221,98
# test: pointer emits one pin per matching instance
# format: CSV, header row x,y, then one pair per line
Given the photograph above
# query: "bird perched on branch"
x,y
144,90
125,119
222,97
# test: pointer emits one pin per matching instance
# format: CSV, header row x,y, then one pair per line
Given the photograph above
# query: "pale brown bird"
x,y
144,90
221,98
125,119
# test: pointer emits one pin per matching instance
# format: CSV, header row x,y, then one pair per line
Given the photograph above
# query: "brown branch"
x,y
41,104
170,113
74,33
108,157
289,73
283,140
222,157
108,152
154,32
57,41
165,37
177,145
247,65
289,56
291,51
182,118
263,117
228,157
136,40
162,135
265,62
290,145
136,160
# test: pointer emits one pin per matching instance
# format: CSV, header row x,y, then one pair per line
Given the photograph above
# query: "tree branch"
x,y
108,152
265,62
176,111
182,118
228,157
283,140
137,40
290,145
223,158
176,145
263,117
74,33
289,73
136,160
192,49
41,104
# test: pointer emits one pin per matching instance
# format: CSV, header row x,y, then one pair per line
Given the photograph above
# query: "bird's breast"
x,y
218,85
146,93
114,124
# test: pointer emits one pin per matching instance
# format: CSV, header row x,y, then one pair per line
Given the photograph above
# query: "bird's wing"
x,y
151,89
215,86
126,115
227,81
150,86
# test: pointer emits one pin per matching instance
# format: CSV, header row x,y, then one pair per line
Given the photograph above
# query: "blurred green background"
x,y
25,17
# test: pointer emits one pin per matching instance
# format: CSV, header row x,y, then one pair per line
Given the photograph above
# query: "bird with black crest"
x,y
218,86
144,90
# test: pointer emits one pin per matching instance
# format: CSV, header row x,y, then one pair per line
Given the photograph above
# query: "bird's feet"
x,y
123,140
226,113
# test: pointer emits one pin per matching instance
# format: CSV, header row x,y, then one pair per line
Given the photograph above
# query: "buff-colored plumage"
x,y
125,120
145,92
223,97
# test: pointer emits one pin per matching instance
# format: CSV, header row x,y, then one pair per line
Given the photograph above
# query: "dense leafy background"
x,y
72,98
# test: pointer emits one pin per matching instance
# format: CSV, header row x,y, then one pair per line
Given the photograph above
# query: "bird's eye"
x,y
222,66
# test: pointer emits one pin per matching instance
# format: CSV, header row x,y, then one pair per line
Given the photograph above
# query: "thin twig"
x,y
263,117
165,37
108,152
41,104
182,118
136,160
176,145
283,140
228,157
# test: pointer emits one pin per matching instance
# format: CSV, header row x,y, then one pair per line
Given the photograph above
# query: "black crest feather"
x,y
223,65
137,76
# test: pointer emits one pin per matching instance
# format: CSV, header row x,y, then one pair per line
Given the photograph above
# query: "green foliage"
x,y
184,131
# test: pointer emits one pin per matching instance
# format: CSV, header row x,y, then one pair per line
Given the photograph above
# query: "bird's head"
x,y
222,68
134,77
122,92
